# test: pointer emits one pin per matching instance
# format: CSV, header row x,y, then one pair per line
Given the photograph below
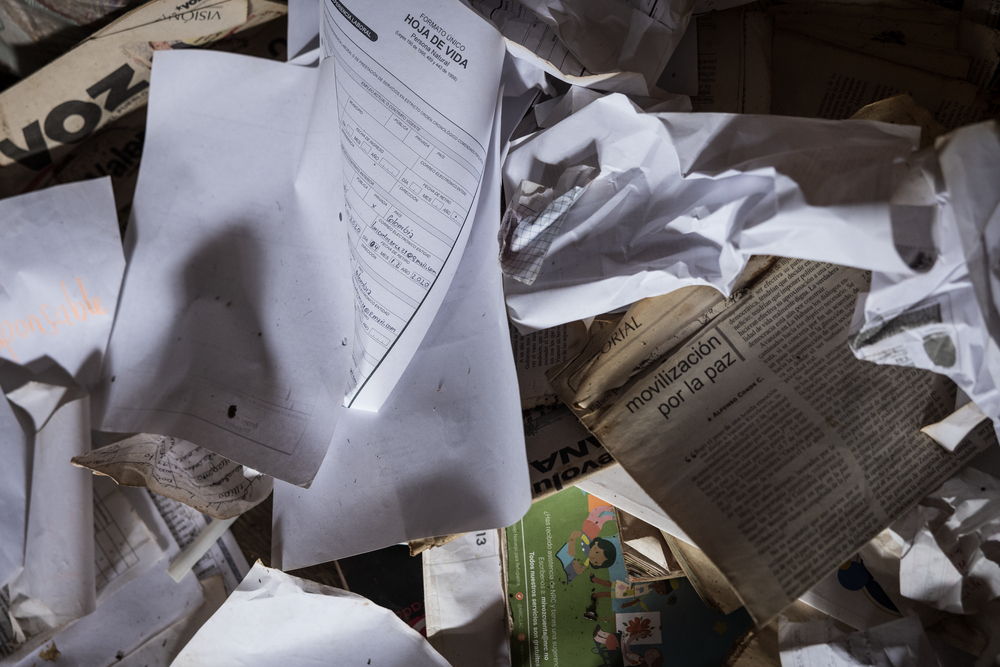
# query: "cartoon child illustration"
x,y
623,590
584,548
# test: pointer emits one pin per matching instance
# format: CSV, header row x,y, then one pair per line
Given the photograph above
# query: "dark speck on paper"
x,y
231,412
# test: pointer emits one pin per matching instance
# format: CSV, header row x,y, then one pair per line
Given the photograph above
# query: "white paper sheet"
x,y
702,193
229,333
13,491
445,454
899,643
946,319
465,600
275,618
63,264
416,91
57,584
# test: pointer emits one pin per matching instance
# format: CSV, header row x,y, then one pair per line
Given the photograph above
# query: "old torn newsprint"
x,y
760,434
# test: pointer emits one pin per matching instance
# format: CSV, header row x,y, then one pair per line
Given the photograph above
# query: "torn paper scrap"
x,y
950,431
899,643
701,193
181,470
275,618
63,265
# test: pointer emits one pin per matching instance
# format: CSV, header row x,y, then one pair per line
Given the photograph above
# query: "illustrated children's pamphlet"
x,y
571,601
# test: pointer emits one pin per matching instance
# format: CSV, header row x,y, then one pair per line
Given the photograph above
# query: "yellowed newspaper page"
x,y
776,450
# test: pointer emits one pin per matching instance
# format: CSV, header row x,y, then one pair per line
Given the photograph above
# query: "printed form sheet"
x,y
236,327
416,91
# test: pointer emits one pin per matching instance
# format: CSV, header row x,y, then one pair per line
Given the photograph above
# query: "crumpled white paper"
x,y
273,618
951,545
685,199
946,319
899,643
